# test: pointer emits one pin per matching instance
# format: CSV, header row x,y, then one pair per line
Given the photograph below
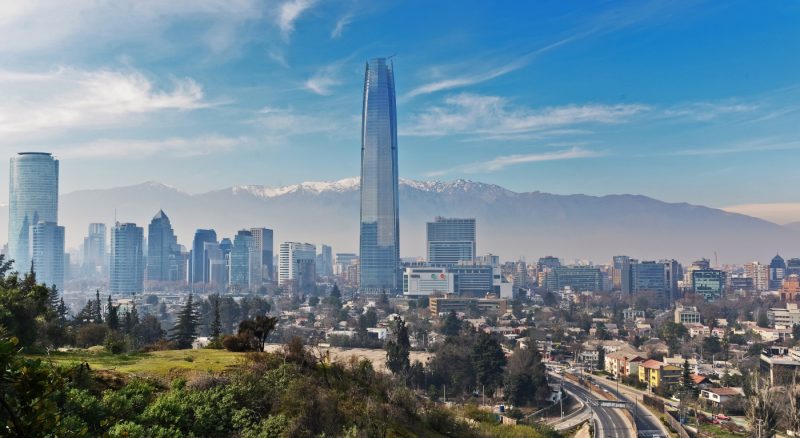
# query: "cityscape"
x,y
291,310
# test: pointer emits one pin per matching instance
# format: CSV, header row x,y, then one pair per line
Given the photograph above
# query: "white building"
x,y
760,275
420,281
686,315
787,317
293,257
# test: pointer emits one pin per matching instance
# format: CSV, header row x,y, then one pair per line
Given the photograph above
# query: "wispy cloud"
x,y
289,12
277,124
341,23
68,99
323,80
137,148
494,117
503,161
705,111
762,145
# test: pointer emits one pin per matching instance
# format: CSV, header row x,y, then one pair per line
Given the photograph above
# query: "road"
x,y
645,420
609,422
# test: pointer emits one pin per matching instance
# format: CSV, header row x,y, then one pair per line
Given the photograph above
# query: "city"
x,y
279,310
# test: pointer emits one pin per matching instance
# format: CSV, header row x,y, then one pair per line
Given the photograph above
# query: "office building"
x,y
708,283
263,252
325,261
32,198
578,278
47,249
343,261
198,260
425,281
793,266
296,265
784,317
242,265
790,287
620,273
126,270
447,304
548,262
780,365
777,270
450,240
94,250
379,247
686,314
163,252
488,259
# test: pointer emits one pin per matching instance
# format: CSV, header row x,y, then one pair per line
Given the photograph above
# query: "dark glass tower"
x,y
380,224
162,246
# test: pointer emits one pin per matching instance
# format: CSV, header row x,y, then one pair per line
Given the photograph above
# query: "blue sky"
x,y
696,102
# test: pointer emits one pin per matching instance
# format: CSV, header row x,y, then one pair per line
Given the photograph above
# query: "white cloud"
x,y
761,145
325,78
279,123
705,111
493,116
289,12
341,23
41,24
503,161
67,99
135,148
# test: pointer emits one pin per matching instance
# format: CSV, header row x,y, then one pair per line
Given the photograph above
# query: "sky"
x,y
683,101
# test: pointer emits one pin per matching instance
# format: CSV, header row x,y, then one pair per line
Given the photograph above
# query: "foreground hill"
x,y
510,224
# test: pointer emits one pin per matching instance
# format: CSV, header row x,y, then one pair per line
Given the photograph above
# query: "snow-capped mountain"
x,y
510,224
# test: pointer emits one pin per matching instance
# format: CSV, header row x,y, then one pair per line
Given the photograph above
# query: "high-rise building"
x,y
578,278
48,253
325,261
777,270
380,222
450,240
262,242
296,265
547,263
241,261
32,198
760,275
793,266
620,273
94,249
163,252
198,272
343,260
127,259
708,283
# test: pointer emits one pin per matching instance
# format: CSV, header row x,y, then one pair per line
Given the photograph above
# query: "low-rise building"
x,y
720,396
426,281
446,304
623,364
698,330
780,365
686,314
631,314
656,374
786,317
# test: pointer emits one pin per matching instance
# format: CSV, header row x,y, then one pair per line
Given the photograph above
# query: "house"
x,y
779,365
719,396
589,354
697,329
630,314
700,380
656,374
623,364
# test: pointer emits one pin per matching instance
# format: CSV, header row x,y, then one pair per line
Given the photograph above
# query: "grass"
x,y
717,431
157,363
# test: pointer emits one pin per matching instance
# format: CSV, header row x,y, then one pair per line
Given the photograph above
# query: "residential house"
x,y
656,374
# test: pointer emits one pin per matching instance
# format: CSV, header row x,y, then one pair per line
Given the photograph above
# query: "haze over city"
x,y
307,218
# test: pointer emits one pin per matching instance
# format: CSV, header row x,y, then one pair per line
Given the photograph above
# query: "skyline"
x,y
267,94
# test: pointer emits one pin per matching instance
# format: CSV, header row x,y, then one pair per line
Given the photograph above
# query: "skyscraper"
x,y
47,250
94,249
777,270
127,259
450,240
32,198
262,242
296,265
198,272
241,260
162,246
324,266
380,223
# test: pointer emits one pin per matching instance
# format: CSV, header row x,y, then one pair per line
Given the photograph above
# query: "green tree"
x,y
488,360
258,329
763,319
97,313
112,315
451,326
216,323
398,348
185,329
525,380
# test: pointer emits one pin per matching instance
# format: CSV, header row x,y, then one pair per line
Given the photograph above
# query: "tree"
x,y
185,329
451,326
149,331
763,319
97,313
525,380
601,357
112,315
216,324
258,329
335,293
488,359
398,348
711,346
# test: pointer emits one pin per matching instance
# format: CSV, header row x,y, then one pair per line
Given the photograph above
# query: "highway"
x,y
645,420
610,422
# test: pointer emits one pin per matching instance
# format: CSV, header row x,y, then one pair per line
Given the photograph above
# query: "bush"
x,y
89,335
239,343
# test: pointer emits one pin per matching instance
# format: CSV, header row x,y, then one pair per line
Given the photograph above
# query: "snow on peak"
x,y
314,187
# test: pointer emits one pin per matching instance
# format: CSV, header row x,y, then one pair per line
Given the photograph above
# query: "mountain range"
x,y
509,224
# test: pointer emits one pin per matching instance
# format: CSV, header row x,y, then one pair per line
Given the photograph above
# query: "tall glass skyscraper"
x,y
163,252
242,256
198,272
127,259
47,245
32,198
380,223
451,240
94,249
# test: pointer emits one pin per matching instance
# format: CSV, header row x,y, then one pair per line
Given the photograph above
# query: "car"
x,y
723,417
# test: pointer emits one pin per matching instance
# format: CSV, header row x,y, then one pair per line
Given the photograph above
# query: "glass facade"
x,y
163,253
451,240
94,250
380,223
127,259
32,198
242,255
708,283
198,272
48,253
